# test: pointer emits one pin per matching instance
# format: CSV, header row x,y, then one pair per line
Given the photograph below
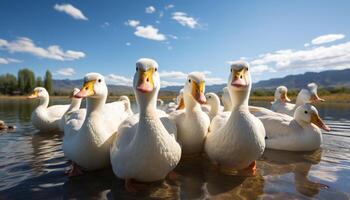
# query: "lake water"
x,y
32,166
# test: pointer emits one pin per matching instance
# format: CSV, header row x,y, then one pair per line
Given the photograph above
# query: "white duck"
x,y
74,106
87,139
300,133
192,123
308,95
43,117
145,147
226,99
237,138
214,105
281,98
178,104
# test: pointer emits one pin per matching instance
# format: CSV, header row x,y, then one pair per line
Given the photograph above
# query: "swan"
x,y
307,95
236,138
214,105
145,147
192,123
89,132
299,133
226,99
74,106
43,117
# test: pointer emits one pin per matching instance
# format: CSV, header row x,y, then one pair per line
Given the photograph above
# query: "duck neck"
x,y
44,102
214,108
94,104
147,104
191,104
240,99
75,104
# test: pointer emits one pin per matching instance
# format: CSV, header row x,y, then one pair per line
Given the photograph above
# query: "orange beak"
x,y
315,119
315,98
87,90
181,104
198,92
239,79
145,83
34,95
284,97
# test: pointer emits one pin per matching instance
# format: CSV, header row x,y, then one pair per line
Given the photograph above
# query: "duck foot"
x,y
75,170
173,176
251,168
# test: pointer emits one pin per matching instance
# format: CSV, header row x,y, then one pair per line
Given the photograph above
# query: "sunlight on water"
x,y
32,165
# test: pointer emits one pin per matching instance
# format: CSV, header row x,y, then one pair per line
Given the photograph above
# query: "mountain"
x,y
325,79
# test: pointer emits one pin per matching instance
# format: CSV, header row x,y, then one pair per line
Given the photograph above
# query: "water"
x,y
32,166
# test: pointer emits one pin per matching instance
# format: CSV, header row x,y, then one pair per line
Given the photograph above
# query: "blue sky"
x,y
72,38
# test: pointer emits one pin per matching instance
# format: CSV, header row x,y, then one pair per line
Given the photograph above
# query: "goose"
x,y
236,138
214,105
192,123
299,133
226,99
43,117
145,147
88,133
307,95
74,106
281,98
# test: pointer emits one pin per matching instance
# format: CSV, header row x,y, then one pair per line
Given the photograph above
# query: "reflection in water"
x,y
32,165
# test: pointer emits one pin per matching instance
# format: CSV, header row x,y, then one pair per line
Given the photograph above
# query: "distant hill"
x,y
325,79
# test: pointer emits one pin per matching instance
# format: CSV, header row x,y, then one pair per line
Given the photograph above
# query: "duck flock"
x,y
148,145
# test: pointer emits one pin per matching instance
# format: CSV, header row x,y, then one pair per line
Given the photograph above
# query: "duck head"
x,y
74,92
194,88
308,114
239,79
212,99
180,100
94,87
308,95
312,87
146,82
281,94
39,93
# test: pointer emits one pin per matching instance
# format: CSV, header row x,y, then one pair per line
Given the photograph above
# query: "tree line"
x,y
24,83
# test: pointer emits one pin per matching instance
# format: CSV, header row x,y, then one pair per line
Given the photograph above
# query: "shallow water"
x,y
32,166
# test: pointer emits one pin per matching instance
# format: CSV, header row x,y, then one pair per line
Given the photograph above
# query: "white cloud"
x,y
306,44
105,25
327,38
258,69
169,83
70,10
119,80
149,32
128,44
319,58
26,45
181,77
66,71
150,9
167,7
161,14
132,23
4,61
185,20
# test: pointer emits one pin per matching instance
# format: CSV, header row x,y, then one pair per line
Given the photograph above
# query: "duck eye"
x,y
231,69
241,76
209,97
137,69
189,80
156,69
305,112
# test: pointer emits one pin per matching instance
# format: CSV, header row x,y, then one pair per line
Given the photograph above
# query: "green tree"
x,y
39,82
8,84
26,80
48,82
